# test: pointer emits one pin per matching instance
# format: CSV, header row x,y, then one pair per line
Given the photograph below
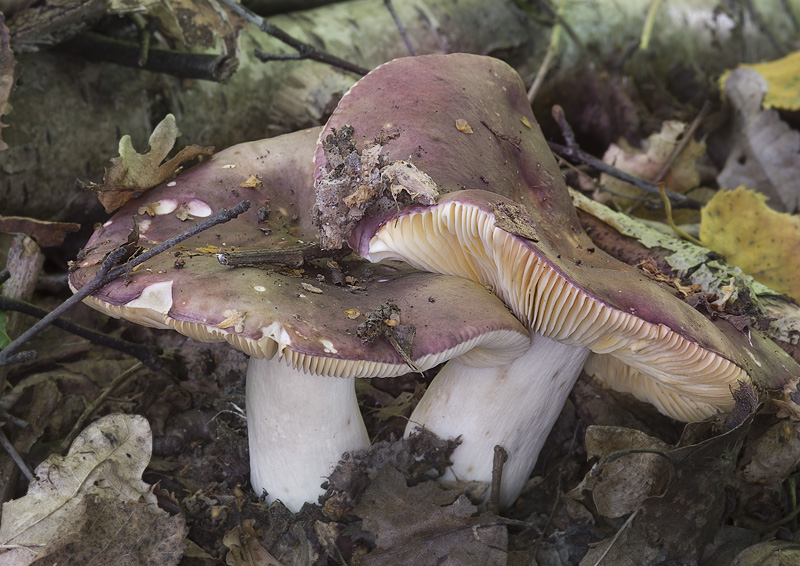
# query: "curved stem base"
x,y
299,426
514,405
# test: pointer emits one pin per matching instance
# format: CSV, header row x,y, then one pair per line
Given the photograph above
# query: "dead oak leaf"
x,y
132,173
426,524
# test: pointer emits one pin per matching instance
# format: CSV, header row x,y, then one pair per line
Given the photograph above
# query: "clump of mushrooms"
x,y
442,165
299,327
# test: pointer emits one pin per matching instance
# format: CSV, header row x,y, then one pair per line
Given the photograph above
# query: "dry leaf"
x,y
763,243
121,533
45,233
782,77
103,468
133,173
648,162
427,525
776,454
310,288
620,486
203,24
245,549
463,126
766,156
676,526
251,182
233,319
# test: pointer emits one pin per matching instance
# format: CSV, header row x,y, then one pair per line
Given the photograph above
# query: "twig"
x,y
572,151
513,140
113,386
304,50
624,526
500,458
16,421
147,355
649,22
292,257
15,456
688,135
400,27
668,211
106,274
552,49
97,47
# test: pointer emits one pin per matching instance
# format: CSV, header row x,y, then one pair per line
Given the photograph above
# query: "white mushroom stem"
x,y
298,425
513,405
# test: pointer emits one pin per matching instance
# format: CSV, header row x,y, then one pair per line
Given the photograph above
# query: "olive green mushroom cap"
x,y
309,314
482,198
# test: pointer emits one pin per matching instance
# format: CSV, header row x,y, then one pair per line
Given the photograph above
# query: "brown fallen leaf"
x,y
132,173
45,233
121,533
676,525
427,525
648,162
619,487
245,549
775,456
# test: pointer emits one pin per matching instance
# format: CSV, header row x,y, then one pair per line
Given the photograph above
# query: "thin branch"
x,y
23,467
500,458
573,152
148,356
552,49
97,47
291,257
16,421
106,274
688,135
400,27
304,50
113,386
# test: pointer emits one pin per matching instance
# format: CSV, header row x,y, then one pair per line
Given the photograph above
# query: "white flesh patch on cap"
x,y
460,239
198,208
156,297
163,206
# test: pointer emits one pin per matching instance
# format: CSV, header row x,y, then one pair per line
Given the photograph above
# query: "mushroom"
x,y
298,327
483,198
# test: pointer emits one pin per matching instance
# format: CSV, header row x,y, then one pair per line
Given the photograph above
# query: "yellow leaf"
x,y
252,182
783,78
463,126
762,242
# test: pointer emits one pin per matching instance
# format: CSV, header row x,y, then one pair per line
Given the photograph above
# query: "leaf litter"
x,y
92,503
